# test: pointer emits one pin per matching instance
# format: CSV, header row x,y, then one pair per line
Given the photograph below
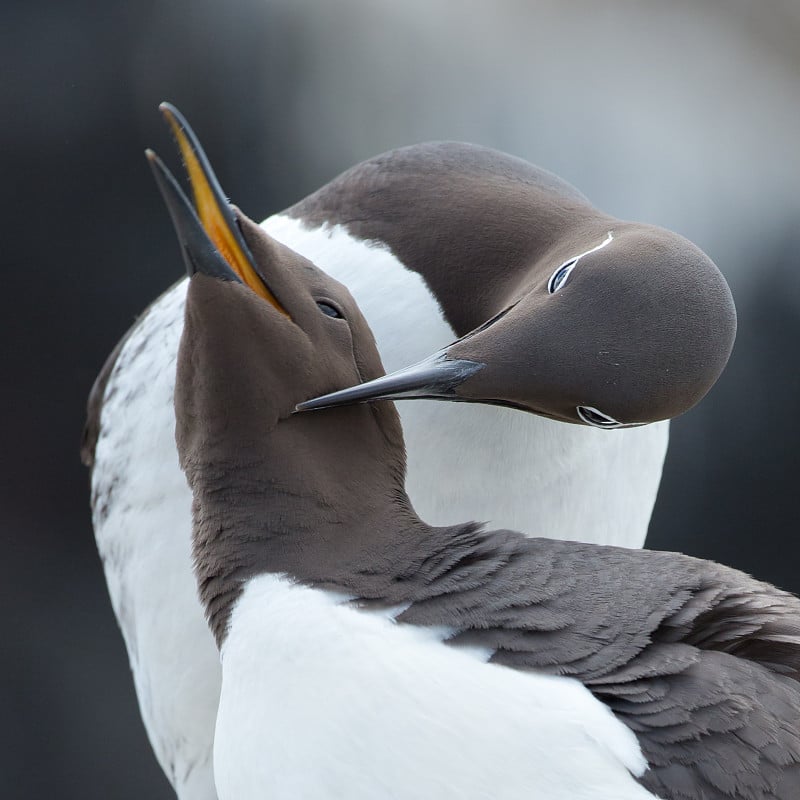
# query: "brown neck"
x,y
309,501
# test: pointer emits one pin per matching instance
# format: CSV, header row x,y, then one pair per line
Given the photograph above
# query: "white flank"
x,y
322,700
145,544
465,462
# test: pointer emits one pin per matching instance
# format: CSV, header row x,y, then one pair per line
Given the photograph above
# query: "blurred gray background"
x,y
684,114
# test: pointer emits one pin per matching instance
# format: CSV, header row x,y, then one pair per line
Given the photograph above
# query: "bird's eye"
x,y
329,310
597,419
559,277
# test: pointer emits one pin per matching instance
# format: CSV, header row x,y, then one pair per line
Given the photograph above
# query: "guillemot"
x,y
602,322
570,481
366,654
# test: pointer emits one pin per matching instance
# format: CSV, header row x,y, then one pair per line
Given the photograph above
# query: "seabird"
x,y
366,654
560,348
432,241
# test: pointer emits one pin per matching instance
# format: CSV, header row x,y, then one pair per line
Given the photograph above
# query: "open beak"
x,y
199,252
435,378
209,234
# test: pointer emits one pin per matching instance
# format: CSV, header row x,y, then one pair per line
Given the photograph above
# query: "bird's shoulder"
x,y
700,661
605,604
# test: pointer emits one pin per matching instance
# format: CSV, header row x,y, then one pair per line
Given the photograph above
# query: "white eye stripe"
x,y
559,277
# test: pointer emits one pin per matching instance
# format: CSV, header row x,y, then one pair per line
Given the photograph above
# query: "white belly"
x,y
320,700
507,468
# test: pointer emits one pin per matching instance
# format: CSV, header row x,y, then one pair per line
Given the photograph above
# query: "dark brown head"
x,y
608,327
265,330
245,363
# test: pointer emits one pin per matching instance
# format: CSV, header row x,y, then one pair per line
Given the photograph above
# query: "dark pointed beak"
x,y
199,253
211,225
436,378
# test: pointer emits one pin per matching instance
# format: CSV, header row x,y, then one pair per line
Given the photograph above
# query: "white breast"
x,y
321,700
542,478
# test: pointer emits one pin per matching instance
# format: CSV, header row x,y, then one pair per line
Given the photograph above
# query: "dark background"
x,y
684,114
